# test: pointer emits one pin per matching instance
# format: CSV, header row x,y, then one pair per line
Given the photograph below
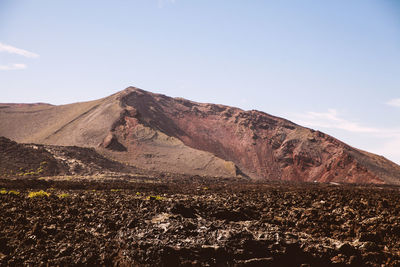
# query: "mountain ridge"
x,y
168,134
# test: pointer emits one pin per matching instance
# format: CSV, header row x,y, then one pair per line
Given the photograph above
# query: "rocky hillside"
x,y
167,134
30,160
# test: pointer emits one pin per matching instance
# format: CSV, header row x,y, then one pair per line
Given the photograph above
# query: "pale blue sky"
x,y
328,65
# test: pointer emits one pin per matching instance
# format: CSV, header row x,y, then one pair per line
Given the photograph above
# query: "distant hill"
x,y
161,133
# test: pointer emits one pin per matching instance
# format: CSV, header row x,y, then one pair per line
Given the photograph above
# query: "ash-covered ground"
x,y
128,222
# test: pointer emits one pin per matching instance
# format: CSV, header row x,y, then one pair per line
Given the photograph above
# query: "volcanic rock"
x,y
31,160
175,135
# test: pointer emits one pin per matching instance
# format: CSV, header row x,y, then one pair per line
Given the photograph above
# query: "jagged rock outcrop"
x,y
176,135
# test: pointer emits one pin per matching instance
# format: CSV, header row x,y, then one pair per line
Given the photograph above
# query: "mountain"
x,y
157,132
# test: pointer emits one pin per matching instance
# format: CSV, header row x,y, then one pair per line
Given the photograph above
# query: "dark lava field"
x,y
121,222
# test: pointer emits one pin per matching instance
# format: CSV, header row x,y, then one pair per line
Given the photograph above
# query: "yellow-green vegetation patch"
x,y
63,195
40,193
13,192
138,193
115,190
3,192
155,198
31,172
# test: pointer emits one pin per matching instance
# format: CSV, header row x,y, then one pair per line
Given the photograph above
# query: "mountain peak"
x,y
129,90
168,134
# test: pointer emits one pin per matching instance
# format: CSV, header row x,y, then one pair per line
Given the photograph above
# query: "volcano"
x,y
175,135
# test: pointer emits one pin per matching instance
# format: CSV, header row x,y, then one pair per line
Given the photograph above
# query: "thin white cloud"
x,y
331,119
394,102
388,138
18,51
15,66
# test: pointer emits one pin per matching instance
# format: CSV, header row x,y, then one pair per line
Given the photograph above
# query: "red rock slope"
x,y
176,135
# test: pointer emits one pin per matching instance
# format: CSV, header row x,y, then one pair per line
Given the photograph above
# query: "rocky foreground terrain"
x,y
200,222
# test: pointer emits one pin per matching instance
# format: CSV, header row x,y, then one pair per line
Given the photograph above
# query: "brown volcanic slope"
x,y
176,135
31,160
